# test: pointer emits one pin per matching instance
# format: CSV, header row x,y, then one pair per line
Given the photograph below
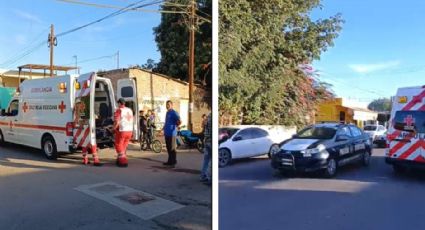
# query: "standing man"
x,y
206,165
143,126
172,121
123,126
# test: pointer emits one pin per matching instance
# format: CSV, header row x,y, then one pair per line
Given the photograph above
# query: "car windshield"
x,y
370,128
226,133
410,121
315,132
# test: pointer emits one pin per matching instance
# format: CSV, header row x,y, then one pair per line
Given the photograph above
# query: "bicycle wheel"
x,y
144,145
156,146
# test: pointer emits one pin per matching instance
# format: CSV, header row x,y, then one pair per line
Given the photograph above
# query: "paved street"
x,y
36,193
251,197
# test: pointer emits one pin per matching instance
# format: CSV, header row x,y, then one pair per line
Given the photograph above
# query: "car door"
x,y
359,140
242,144
344,144
11,133
261,142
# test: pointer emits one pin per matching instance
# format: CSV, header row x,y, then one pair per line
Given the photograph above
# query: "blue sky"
x,y
26,22
381,47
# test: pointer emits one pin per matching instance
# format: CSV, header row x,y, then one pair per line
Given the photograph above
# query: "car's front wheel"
x,y
273,150
366,158
331,168
224,157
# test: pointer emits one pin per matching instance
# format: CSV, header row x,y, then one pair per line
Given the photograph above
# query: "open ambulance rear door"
x,y
127,89
84,116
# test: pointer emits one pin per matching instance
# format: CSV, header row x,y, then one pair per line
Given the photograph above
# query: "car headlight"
x,y
314,151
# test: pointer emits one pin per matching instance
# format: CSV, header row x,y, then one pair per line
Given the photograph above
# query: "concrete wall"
x,y
154,90
278,133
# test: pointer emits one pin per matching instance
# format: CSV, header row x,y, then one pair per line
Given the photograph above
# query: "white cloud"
x,y
28,16
368,68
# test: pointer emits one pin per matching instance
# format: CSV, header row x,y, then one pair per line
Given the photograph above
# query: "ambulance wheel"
x,y
1,138
49,147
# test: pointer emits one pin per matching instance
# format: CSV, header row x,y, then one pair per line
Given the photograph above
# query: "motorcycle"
x,y
189,139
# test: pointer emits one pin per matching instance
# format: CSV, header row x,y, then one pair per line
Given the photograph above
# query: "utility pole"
x,y
52,42
76,64
118,59
191,69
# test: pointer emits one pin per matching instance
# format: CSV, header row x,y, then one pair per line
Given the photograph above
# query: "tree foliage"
x,y
172,37
261,44
380,105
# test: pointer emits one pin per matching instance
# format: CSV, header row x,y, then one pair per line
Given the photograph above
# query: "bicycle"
x,y
147,143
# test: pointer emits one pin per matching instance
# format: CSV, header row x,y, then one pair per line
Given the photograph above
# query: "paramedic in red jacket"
x,y
123,126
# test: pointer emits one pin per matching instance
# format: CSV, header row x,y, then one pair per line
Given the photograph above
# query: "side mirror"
x,y
341,138
3,112
237,138
294,136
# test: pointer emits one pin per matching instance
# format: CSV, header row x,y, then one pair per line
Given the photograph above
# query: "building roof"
x,y
46,67
23,74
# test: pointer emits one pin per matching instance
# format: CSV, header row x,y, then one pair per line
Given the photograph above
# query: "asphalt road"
x,y
36,193
252,196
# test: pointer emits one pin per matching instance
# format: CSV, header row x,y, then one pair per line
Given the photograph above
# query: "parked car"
x,y
243,142
323,147
381,140
376,133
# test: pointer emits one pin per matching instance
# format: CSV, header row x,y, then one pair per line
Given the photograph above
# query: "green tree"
x,y
380,105
172,37
150,64
261,44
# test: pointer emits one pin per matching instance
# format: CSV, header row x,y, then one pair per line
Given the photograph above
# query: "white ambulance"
x,y
61,114
406,134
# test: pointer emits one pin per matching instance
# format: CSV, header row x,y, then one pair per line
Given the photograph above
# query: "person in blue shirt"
x,y
172,121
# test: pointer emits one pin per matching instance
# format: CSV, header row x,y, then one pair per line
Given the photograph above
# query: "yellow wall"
x,y
330,110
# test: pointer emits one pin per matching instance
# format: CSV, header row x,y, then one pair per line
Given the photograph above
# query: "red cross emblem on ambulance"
x,y
62,107
25,107
409,120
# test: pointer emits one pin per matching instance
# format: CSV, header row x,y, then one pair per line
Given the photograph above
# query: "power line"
x,y
116,13
24,54
24,50
95,59
353,86
116,7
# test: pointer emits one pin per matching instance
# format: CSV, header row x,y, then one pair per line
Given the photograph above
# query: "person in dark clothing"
x,y
172,121
143,125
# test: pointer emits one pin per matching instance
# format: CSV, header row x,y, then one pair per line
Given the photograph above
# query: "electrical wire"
x,y
25,54
116,13
94,59
117,7
25,49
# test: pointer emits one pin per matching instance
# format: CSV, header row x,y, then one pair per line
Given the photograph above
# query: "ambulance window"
x,y
127,91
14,107
410,121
